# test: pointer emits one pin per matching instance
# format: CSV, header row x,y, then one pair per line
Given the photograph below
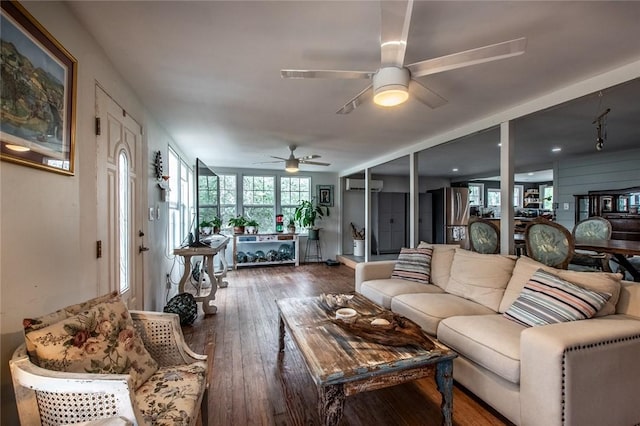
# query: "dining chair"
x,y
591,228
549,243
484,236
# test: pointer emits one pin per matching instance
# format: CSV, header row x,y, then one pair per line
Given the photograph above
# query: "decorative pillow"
x,y
101,339
32,324
413,265
441,260
548,299
605,282
480,277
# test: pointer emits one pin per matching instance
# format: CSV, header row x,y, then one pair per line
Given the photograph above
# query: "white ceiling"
x,y
209,71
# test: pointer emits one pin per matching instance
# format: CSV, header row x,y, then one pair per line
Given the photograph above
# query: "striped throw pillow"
x,y
548,299
413,265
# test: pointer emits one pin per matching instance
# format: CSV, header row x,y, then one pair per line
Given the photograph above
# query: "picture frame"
x,y
325,195
38,119
606,204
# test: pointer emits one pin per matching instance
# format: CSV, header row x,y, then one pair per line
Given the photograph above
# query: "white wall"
x,y
48,221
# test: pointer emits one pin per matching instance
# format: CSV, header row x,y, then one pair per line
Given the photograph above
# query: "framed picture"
x,y
325,195
606,203
37,122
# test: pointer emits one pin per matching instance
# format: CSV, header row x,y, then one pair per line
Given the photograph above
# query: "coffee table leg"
x,y
281,340
330,404
444,380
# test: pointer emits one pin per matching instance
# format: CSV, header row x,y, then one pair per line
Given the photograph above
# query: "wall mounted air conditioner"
x,y
358,185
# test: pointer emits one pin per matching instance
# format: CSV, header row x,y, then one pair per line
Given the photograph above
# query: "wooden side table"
x,y
217,246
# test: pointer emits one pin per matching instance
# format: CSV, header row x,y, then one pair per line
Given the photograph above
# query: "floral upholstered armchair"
x,y
97,360
484,236
549,243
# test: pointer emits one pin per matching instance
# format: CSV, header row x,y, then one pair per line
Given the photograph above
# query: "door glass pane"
x,y
123,220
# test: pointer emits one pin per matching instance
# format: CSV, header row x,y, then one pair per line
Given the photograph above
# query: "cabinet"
x,y
265,249
619,207
531,199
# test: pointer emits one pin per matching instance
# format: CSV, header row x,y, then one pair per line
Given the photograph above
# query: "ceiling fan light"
x,y
391,96
391,86
291,166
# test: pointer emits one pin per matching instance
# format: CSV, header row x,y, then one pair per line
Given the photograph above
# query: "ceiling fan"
x,y
393,81
292,164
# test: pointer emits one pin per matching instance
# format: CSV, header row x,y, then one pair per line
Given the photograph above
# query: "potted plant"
x,y
358,240
216,223
238,223
205,227
291,227
252,226
306,214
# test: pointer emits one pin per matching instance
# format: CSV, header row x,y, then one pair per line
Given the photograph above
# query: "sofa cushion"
x,y
548,299
171,393
428,309
441,260
604,282
490,341
480,277
413,265
101,340
382,291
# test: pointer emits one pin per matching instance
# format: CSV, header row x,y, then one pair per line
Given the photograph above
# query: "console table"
x,y
217,246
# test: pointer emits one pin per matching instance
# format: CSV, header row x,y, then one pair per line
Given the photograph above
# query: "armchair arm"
x,y
581,372
373,271
163,338
65,397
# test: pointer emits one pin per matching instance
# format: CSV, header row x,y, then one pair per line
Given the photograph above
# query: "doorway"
x,y
119,201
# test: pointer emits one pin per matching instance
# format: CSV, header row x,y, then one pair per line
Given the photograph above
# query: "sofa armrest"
x,y
581,372
163,338
373,271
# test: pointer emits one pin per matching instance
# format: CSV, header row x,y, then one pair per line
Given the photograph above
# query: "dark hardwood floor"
x,y
249,389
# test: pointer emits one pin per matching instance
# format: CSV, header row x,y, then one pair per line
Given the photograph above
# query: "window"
x,y
228,197
518,195
493,197
476,194
259,201
292,191
207,197
123,220
547,197
180,201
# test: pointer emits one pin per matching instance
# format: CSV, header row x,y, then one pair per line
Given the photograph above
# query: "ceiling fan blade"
x,y
395,18
309,157
267,162
333,74
361,97
492,52
279,158
315,163
425,95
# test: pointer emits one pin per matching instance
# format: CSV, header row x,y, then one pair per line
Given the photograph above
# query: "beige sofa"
x,y
575,373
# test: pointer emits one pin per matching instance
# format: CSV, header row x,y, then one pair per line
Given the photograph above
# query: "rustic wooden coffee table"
x,y
342,364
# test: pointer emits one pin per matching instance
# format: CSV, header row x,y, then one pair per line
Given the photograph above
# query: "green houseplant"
x,y
238,223
252,226
216,222
306,214
205,227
